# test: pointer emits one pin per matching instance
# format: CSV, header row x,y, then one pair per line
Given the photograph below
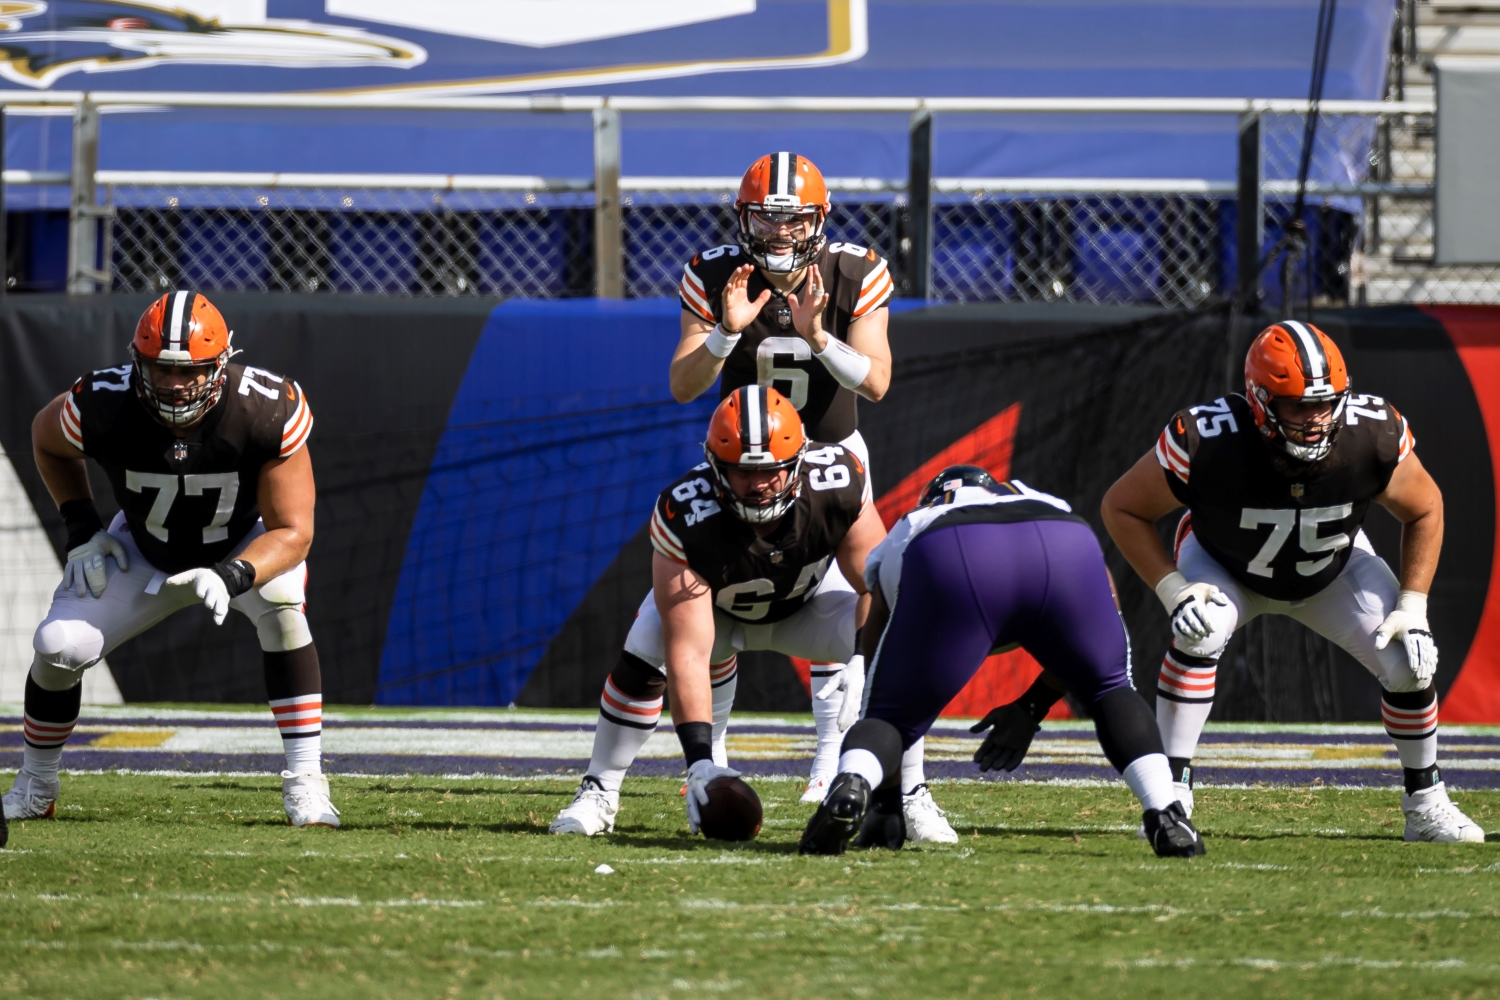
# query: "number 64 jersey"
x,y
188,501
754,579
1280,527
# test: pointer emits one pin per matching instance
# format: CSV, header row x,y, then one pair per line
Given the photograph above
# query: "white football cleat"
x,y
592,811
924,818
305,796
1432,816
817,789
31,797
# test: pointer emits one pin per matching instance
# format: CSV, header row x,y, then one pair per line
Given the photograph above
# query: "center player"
x,y
209,463
1277,483
742,542
783,307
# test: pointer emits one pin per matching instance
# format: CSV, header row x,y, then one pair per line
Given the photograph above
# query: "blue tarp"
x,y
1089,48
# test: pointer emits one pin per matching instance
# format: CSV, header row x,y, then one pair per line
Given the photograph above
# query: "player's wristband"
x,y
1039,699
1167,589
238,576
697,739
847,366
720,342
81,518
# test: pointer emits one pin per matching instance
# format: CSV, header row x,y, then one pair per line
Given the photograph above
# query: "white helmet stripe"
x,y
753,415
787,184
1317,360
178,320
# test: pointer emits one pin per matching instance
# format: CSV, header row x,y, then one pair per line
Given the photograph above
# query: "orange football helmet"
x,y
756,429
782,207
182,332
1292,361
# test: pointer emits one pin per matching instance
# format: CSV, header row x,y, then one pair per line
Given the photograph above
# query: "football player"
x,y
1276,485
208,462
981,565
742,544
784,307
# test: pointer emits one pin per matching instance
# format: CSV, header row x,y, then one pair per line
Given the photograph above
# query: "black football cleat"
x,y
885,821
840,815
4,830
1171,833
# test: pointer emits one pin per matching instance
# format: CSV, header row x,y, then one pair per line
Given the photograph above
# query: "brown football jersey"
x,y
188,500
771,353
1280,527
757,579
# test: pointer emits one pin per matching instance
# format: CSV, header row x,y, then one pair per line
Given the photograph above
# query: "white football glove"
x,y
1187,604
699,775
85,568
209,586
1409,624
851,681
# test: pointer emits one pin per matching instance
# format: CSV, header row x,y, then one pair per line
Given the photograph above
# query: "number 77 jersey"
x,y
763,579
187,500
1282,528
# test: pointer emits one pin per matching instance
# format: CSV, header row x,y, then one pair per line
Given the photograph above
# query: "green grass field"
x,y
193,887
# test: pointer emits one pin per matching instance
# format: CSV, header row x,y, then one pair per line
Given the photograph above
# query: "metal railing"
x,y
1171,241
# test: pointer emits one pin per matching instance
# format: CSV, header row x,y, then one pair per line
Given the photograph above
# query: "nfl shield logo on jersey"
x,y
1297,491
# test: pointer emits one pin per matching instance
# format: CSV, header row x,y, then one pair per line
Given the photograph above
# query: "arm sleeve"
x,y
693,295
72,418
298,426
663,538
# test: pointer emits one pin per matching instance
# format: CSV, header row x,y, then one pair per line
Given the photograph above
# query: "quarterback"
x,y
1276,484
208,461
981,565
742,545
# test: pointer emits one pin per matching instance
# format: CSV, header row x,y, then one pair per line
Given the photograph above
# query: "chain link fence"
x,y
1368,220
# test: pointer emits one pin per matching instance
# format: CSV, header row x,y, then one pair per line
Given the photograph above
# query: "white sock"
x,y
863,763
1184,697
912,774
1150,778
725,679
41,763
826,721
616,744
1414,731
304,754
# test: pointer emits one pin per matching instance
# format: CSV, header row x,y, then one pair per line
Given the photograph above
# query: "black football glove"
x,y
1005,747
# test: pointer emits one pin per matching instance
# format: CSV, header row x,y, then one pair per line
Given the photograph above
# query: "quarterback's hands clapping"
x,y
807,311
851,681
739,310
1188,604
85,568
1006,745
700,773
1408,622
210,588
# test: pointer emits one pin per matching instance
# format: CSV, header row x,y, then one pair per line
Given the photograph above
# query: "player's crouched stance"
x,y
981,565
742,543
208,463
1276,486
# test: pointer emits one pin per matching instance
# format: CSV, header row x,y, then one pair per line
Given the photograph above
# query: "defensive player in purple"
x,y
982,565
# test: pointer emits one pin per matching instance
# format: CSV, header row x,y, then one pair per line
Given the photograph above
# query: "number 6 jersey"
x,y
1280,527
189,501
754,579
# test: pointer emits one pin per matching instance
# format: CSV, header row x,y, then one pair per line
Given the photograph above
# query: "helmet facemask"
x,y
782,238
185,405
1280,431
761,509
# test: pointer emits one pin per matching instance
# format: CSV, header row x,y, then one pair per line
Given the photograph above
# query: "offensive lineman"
x,y
1277,483
783,307
976,566
741,544
208,461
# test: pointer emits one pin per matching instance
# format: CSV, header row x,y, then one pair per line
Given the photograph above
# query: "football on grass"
x,y
733,811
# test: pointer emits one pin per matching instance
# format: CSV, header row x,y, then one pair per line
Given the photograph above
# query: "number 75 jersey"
x,y
754,579
1282,528
188,501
